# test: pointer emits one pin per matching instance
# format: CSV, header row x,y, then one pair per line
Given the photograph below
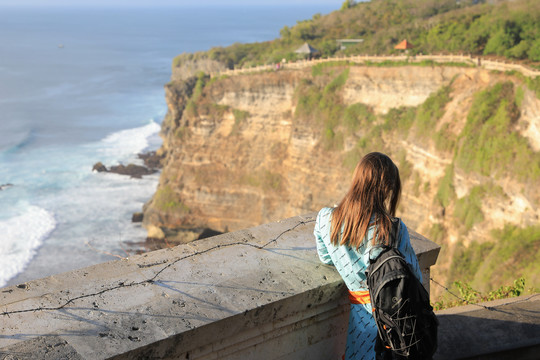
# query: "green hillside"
x,y
509,29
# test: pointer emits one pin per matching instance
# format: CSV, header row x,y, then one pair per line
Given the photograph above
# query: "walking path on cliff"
x,y
467,59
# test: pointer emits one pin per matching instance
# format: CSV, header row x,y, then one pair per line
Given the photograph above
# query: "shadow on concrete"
x,y
504,331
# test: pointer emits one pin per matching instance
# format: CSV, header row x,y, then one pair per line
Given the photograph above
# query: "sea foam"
x,y
21,237
125,143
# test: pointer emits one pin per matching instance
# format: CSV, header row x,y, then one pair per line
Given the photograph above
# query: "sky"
x,y
155,3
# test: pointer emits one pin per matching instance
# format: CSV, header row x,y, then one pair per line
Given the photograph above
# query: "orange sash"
x,y
359,297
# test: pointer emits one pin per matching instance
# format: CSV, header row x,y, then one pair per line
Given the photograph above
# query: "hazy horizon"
x,y
164,3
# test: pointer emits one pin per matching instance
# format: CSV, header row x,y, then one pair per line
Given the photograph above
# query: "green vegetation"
x,y
240,116
468,210
446,193
515,250
412,62
405,167
191,108
532,83
490,134
437,233
321,103
202,79
519,96
166,199
358,116
445,140
308,96
182,132
490,28
467,260
347,4
431,111
319,69
468,295
424,119
401,118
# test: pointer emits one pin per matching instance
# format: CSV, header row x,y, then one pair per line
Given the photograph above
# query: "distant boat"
x,y
5,186
60,46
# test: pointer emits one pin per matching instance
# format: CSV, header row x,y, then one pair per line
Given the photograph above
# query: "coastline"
x,y
107,200
94,96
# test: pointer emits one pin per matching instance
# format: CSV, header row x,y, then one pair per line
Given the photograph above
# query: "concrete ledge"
x,y
257,293
509,329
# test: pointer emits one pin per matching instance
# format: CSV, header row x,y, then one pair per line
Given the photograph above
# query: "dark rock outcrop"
x,y
99,167
132,170
152,163
137,217
152,160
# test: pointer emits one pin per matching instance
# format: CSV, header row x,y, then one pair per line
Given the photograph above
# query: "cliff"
x,y
254,148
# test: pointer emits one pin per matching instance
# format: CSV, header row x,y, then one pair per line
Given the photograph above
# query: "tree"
x,y
347,4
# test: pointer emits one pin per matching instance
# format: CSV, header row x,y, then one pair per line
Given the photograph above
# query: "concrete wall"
x,y
257,293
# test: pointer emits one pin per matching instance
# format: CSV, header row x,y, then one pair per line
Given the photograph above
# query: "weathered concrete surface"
x,y
509,329
257,293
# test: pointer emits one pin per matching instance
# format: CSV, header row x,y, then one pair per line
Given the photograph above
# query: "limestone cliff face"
x,y
230,172
186,66
239,152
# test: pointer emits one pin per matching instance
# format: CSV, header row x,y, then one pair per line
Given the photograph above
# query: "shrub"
x,y
167,200
468,210
446,193
432,110
356,116
401,118
468,295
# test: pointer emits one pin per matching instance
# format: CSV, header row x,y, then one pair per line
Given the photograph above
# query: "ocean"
x,y
82,85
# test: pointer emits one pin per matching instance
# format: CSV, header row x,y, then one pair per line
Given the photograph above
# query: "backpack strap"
x,y
394,232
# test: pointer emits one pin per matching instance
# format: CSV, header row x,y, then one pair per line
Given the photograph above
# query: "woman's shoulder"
x,y
324,216
402,225
325,212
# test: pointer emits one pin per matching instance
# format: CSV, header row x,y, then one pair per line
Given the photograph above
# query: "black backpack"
x,y
405,320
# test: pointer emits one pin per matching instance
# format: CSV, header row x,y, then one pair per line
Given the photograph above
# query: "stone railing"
x,y
477,61
259,293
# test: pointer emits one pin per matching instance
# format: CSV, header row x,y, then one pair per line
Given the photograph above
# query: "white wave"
x,y
21,236
126,143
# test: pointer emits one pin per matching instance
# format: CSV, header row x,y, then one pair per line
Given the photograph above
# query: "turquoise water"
x,y
78,86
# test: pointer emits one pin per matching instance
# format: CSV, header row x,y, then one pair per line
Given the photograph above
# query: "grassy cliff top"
x,y
509,29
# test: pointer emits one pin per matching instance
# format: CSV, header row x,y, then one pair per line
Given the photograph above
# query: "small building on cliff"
x,y
308,51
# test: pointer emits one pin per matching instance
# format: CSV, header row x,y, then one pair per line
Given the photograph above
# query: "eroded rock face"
x,y
239,155
189,67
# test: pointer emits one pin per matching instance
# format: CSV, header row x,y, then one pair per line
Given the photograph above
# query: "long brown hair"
x,y
375,190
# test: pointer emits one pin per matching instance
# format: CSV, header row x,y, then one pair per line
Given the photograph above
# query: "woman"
x,y
345,235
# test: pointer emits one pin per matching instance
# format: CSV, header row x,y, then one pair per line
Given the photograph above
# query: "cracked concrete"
x,y
254,291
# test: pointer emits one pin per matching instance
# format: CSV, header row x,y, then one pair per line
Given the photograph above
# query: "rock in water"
x,y
99,167
135,171
152,160
137,217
